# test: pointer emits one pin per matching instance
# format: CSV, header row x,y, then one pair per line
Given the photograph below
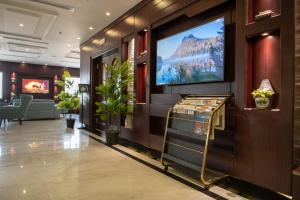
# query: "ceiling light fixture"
x,y
78,38
26,49
265,34
107,13
91,28
23,62
21,25
69,45
46,64
1,37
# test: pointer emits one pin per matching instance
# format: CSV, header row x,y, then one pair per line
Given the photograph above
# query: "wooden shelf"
x,y
254,7
262,110
264,26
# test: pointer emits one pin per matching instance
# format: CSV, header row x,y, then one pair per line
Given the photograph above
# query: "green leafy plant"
x,y
114,91
264,93
70,102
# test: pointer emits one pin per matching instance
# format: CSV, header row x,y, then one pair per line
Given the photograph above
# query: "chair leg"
x,y
20,122
1,122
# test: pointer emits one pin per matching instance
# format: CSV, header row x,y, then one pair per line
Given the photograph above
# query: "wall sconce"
x,y
55,79
13,78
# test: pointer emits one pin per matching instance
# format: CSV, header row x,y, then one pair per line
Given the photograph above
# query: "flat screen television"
x,y
35,86
192,56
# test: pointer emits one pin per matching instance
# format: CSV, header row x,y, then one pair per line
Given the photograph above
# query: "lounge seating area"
x,y
40,109
15,112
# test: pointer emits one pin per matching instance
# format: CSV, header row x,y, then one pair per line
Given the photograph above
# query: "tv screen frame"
x,y
24,91
221,75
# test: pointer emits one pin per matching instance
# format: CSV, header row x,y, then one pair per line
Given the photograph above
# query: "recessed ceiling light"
x,y
107,13
23,62
265,34
22,25
1,37
91,28
69,45
26,49
46,64
78,38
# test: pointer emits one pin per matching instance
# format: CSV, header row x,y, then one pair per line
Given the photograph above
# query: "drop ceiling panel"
x,y
51,28
27,49
37,24
14,17
73,55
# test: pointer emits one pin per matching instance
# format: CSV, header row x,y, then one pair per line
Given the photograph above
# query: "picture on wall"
x,y
35,86
193,56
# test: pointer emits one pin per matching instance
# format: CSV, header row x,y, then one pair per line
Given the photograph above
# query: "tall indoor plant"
x,y
114,93
68,101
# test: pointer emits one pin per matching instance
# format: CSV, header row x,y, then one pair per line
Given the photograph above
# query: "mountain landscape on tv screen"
x,y
194,59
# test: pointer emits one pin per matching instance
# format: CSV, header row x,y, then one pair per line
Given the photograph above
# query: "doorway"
x,y
98,76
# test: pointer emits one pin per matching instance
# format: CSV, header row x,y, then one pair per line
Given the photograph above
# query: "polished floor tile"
x,y
43,160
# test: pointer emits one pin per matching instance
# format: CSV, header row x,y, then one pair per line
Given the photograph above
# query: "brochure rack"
x,y
189,128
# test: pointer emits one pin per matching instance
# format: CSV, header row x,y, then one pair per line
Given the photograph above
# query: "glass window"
x,y
75,87
1,85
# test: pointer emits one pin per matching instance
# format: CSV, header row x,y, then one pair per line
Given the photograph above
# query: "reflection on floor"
x,y
43,160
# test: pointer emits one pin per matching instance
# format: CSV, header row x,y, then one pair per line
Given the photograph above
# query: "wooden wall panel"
x,y
125,27
85,62
163,8
262,139
142,18
296,159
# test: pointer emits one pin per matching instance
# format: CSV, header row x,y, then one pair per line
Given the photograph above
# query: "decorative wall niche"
x,y
141,77
142,42
264,63
257,6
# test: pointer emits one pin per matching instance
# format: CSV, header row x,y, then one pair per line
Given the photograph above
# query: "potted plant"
x,y
68,101
115,97
262,98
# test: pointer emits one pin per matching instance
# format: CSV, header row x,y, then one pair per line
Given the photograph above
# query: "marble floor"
x,y
43,160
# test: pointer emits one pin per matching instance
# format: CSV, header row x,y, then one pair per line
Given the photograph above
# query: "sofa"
x,y
40,109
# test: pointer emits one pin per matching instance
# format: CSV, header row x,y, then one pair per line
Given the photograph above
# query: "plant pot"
x,y
70,123
262,102
112,137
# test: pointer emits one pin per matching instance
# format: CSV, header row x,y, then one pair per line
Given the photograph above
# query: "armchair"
x,y
8,103
15,112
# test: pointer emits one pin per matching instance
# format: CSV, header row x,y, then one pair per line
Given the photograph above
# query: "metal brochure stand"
x,y
189,128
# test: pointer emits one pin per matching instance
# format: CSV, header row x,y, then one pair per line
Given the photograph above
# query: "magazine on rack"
x,y
200,109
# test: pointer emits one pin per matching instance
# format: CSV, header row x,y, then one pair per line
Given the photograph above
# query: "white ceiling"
x,y
51,28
